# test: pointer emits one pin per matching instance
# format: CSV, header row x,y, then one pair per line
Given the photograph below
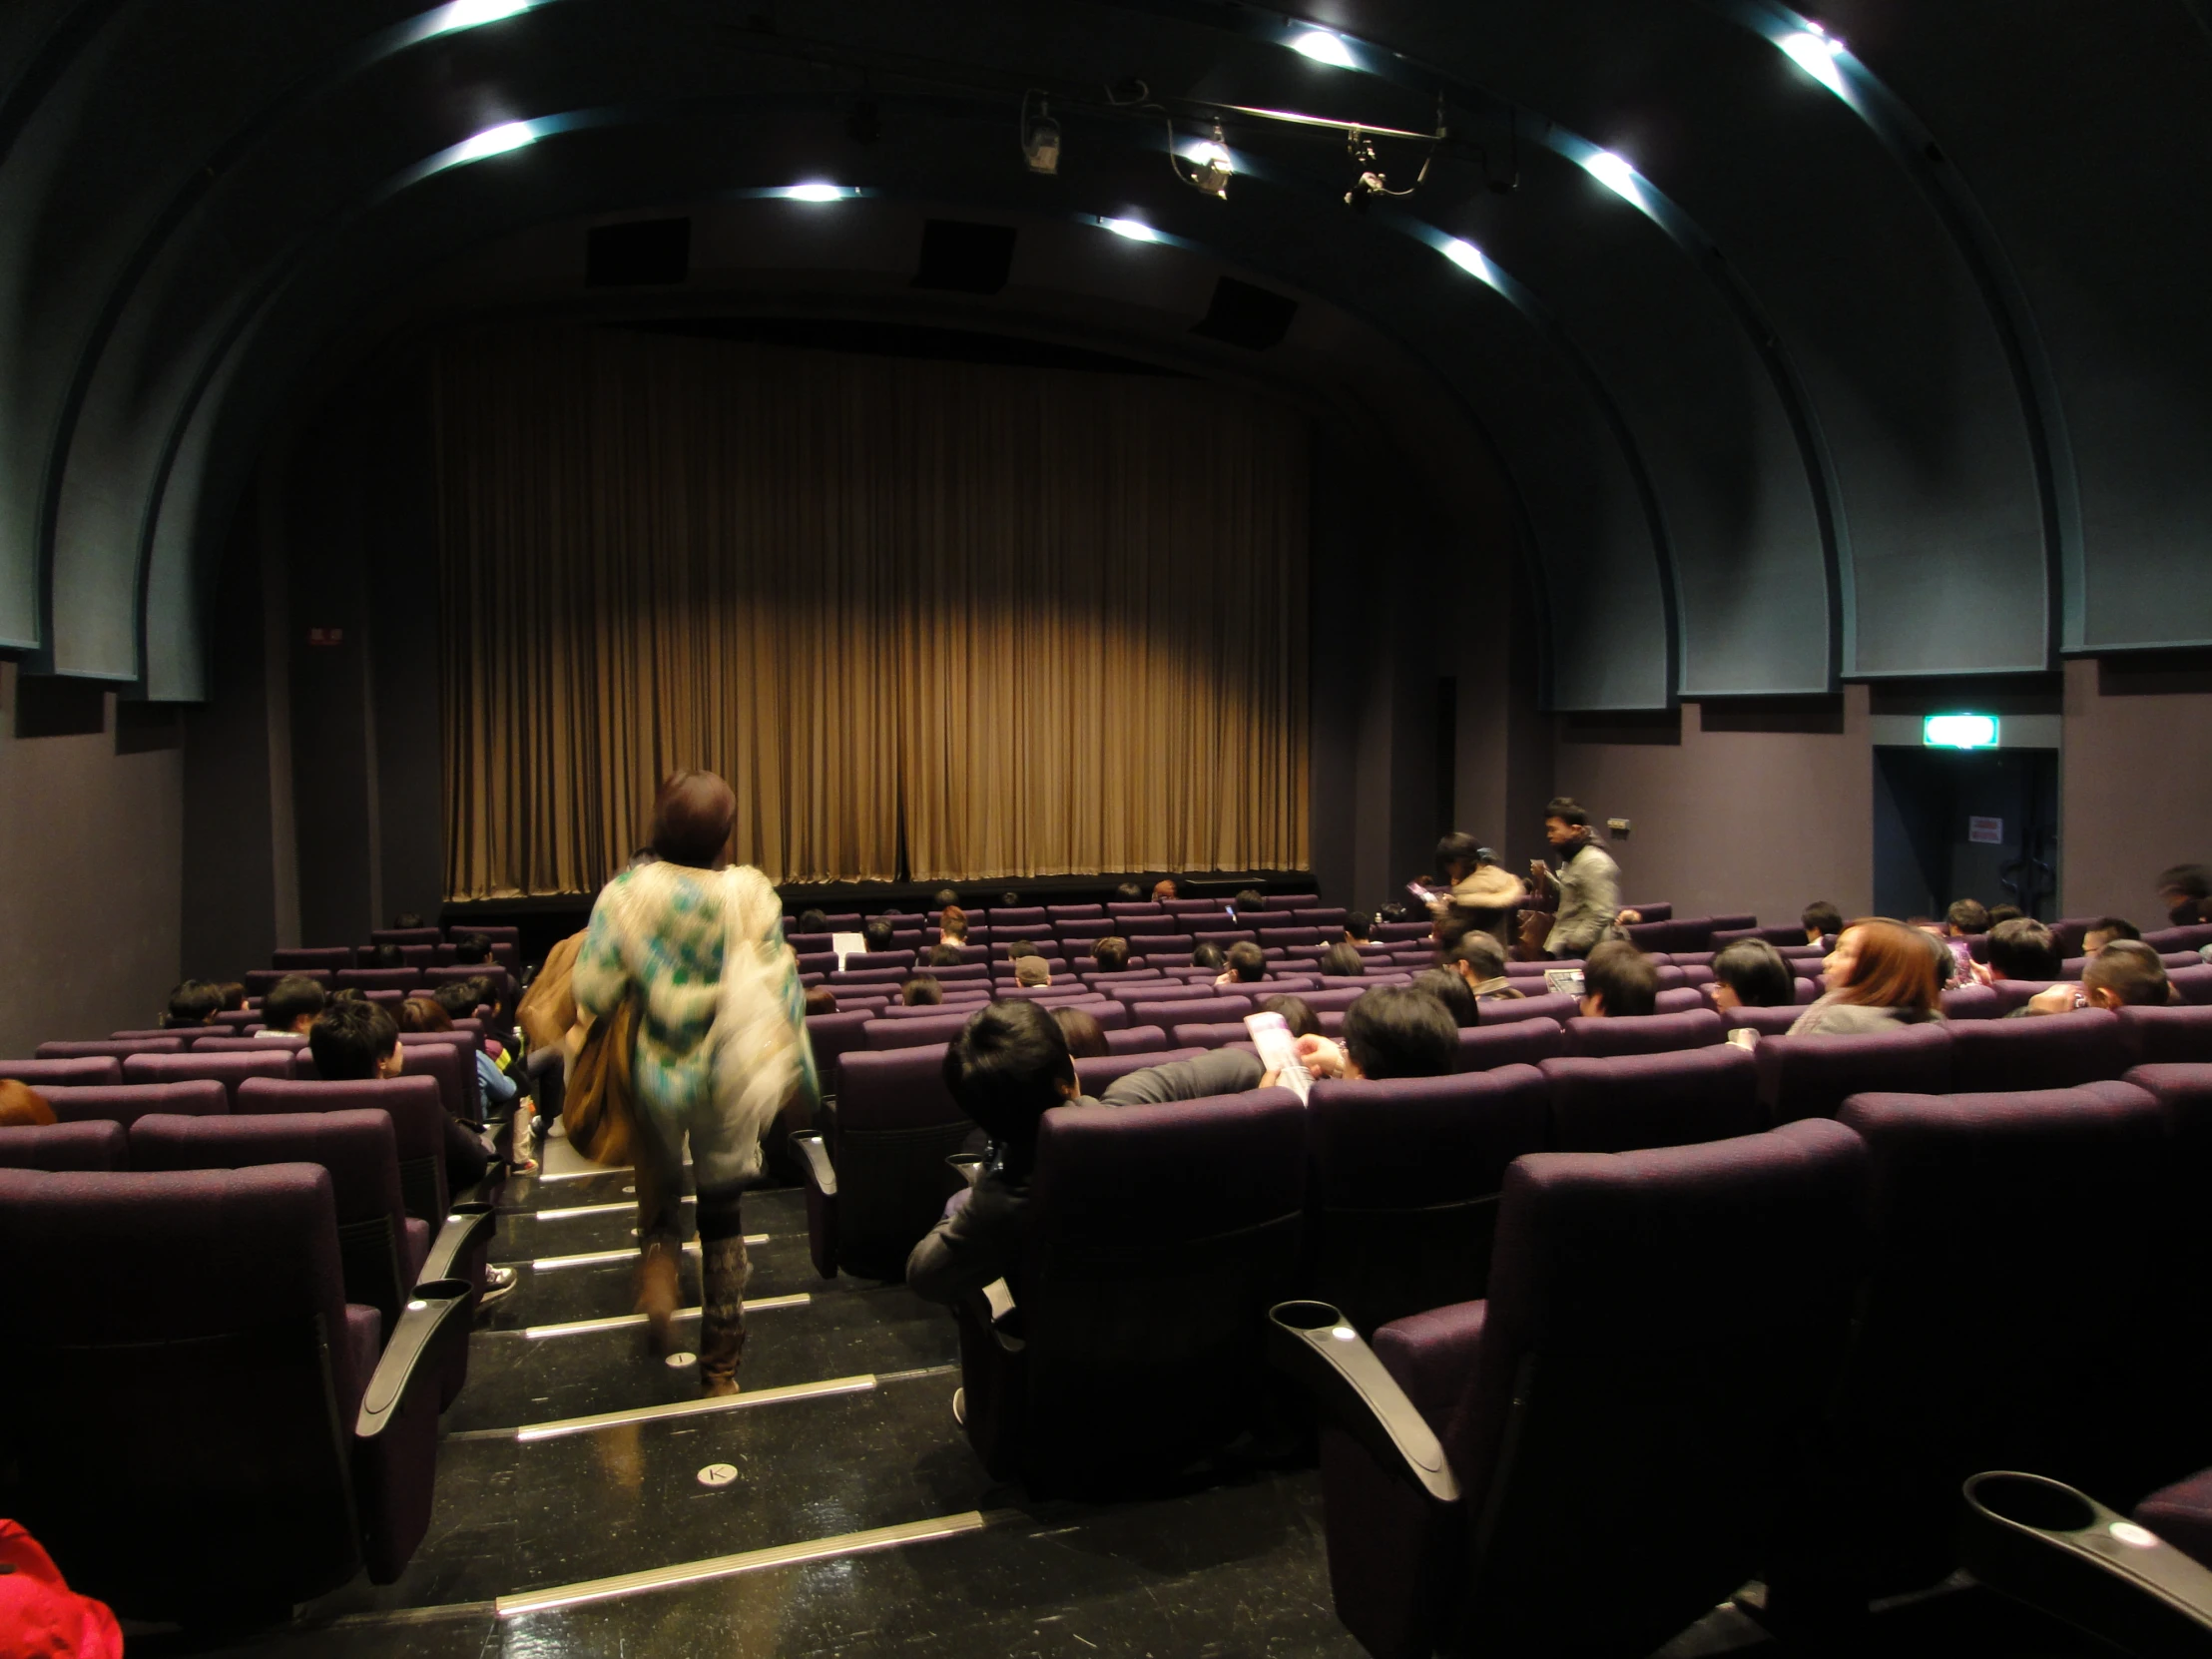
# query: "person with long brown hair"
x,y
1882,974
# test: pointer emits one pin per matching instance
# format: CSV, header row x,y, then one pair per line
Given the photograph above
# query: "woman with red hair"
x,y
1882,974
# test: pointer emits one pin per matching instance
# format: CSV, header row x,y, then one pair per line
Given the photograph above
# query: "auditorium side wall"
x,y
2135,780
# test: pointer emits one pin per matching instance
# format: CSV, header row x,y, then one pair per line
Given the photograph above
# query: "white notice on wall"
x,y
1988,831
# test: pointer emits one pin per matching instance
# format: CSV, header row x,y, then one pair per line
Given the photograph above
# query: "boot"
x,y
657,1293
723,1271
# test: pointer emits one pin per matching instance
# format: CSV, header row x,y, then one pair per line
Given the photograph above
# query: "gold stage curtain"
x,y
932,619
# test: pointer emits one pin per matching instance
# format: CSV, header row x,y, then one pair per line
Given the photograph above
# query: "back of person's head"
x,y
1452,992
1822,918
1969,915
1020,949
1341,958
194,1002
1111,953
423,1013
1030,970
290,999
388,956
952,922
1568,810
2003,913
1398,1031
2129,974
1359,926
2186,881
1009,1066
1086,1038
23,1107
1891,965
2104,931
459,997
946,898
692,816
875,932
811,921
1251,902
346,994
1165,888
820,999
1390,912
1623,978
946,955
1010,899
1248,962
234,996
352,1042
1483,955
1297,1014
1129,893
1210,955
1757,972
1458,848
471,947
407,922
2024,949
921,991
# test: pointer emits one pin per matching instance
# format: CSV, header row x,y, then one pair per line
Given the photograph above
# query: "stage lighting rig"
x,y
1040,134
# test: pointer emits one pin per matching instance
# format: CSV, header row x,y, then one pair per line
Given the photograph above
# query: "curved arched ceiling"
x,y
1893,368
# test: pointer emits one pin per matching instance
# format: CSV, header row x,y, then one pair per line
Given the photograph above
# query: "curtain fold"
x,y
931,620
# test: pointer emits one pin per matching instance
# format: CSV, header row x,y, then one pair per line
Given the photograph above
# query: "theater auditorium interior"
x,y
1474,737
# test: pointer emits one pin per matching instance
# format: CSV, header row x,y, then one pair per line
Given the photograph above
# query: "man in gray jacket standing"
x,y
1588,882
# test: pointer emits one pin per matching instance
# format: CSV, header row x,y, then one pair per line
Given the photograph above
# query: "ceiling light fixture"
x,y
1324,47
815,192
494,141
1817,54
1469,258
1213,165
1615,174
1136,229
1040,134
468,14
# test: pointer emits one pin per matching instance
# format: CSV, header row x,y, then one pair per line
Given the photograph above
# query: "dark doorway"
x,y
1951,824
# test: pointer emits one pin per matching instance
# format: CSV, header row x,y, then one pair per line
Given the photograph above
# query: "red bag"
x,y
40,1616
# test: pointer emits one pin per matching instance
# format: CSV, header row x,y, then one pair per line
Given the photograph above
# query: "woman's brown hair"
x,y
952,922
23,1107
423,1013
1895,969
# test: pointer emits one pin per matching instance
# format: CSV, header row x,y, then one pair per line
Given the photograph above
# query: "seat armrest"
x,y
813,1153
464,1227
434,1317
1317,1347
968,1166
2044,1543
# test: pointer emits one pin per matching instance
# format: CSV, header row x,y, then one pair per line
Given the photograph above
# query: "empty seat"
x,y
405,936
2155,1036
1283,938
1077,935
877,1177
271,1044
1027,915
1075,913
1224,936
1092,1075
2054,1051
111,1049
1602,1439
1292,900
379,980
1972,1002
91,1071
1218,1034
936,1027
1166,1010
126,1103
1137,1039
1680,999
95,1144
1499,1010
1518,1042
276,1447
2193,984
1645,1034
1812,1077
1405,1176
1157,1238
1645,1100
1329,919
323,959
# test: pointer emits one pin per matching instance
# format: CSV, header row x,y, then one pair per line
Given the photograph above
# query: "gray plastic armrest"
x,y
2044,1543
821,1173
463,1226
435,1317
1317,1346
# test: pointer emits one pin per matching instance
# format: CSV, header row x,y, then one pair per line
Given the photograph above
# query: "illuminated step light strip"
x,y
679,1410
623,1322
600,1257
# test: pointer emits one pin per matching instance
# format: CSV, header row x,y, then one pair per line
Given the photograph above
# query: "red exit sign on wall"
x,y
1989,831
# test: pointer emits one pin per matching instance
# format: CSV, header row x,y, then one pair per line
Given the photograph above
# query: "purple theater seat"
x,y
1812,1077
1652,912
1680,999
2014,1243
126,1103
1595,1037
938,1029
1767,1022
94,1144
1499,1010
1210,1035
877,1176
275,1446
1283,939
2050,1051
1324,1001
2158,1036
113,1048
1143,910
92,1071
1137,1039
920,1010
1158,1236
418,1120
1806,992
260,982
1662,1329
323,959
833,1037
1094,1074
1651,937
1077,937
1329,920
451,1067
1225,937
1198,1011
1075,913
2193,937
405,936
1192,906
1972,1002
2181,1513
2193,984
1190,990
380,979
1405,1176
1634,1101
283,1042
1025,915
2017,993
1389,932
1292,900
1517,1042
1146,928
862,962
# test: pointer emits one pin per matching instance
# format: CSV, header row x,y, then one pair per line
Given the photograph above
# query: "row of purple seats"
x,y
507,953
261,981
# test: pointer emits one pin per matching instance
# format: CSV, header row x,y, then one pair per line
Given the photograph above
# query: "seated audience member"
x,y
944,955
1452,992
1475,957
1009,1066
1030,972
1618,982
293,1004
426,1014
1297,1014
469,948
1823,922
463,997
1392,1031
407,922
2024,949
1339,959
1751,973
386,957
1882,974
945,899
1208,955
2104,931
921,991
875,932
1010,899
2126,973
820,999
1111,955
952,925
1020,949
2003,913
811,921
1165,890
1391,912
1966,917
195,1002
1086,1038
234,996
1249,904
23,1107
1247,964
1129,893
2186,891
1358,927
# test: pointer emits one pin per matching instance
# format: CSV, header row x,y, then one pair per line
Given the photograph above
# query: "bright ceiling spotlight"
x,y
1468,258
815,192
494,141
468,14
1213,165
1136,229
1817,54
1615,175
1324,47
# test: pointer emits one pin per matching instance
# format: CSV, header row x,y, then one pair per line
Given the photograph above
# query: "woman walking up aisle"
x,y
720,1046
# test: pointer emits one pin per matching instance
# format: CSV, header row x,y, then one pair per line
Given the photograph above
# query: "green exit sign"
x,y
1959,732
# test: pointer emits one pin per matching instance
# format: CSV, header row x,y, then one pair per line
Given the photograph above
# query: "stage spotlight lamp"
x,y
1816,52
1213,165
1040,138
813,193
1324,47
1136,229
495,141
1471,260
1615,174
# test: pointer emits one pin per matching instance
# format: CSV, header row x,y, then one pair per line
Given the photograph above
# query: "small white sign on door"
x,y
1985,830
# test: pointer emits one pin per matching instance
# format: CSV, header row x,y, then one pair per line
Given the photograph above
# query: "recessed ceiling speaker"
x,y
963,257
640,253
1245,315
